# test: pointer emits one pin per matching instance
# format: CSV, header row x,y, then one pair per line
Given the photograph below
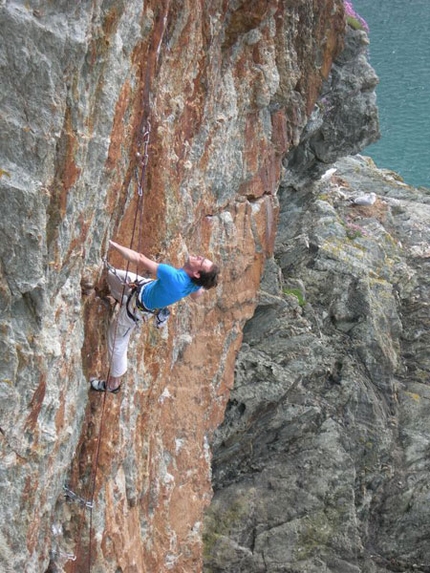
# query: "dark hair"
x,y
207,279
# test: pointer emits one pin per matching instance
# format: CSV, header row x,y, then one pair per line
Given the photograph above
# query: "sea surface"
x,y
399,52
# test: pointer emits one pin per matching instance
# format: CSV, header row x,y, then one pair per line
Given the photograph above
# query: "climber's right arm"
x,y
136,258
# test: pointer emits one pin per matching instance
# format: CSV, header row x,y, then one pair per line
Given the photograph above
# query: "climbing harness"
x,y
135,297
138,291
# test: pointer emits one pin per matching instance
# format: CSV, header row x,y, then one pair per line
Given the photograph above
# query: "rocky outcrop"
x,y
321,463
226,89
344,120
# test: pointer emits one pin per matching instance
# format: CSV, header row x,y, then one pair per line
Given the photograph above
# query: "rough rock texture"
x,y
226,88
321,464
344,120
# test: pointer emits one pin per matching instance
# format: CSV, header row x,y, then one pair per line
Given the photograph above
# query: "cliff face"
x,y
322,461
226,90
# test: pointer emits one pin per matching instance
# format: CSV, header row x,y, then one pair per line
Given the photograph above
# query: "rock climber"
x,y
143,297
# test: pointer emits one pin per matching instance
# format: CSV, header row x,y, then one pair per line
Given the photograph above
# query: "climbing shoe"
x,y
100,386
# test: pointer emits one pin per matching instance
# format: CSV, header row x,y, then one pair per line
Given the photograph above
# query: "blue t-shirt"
x,y
170,286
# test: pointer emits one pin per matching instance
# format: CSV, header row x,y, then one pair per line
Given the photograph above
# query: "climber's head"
x,y
203,272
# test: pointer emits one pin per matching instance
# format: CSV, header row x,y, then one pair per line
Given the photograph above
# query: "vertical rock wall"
x,y
321,463
227,88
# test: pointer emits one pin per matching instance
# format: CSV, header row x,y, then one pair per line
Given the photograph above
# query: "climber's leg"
x,y
118,338
119,281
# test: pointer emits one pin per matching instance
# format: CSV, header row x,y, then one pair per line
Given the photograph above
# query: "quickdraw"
x,y
72,496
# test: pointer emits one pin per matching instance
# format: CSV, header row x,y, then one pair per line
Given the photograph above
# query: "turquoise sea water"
x,y
400,54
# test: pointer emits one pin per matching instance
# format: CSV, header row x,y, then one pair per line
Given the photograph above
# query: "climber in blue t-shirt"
x,y
142,298
170,286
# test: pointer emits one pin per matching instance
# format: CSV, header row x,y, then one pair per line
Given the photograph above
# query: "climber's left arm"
x,y
135,257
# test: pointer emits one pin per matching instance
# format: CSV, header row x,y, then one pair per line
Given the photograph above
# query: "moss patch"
x,y
224,524
297,293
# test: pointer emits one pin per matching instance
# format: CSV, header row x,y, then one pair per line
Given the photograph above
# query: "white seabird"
x,y
327,175
367,199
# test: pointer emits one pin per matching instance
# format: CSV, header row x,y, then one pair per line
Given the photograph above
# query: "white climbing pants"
x,y
122,325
